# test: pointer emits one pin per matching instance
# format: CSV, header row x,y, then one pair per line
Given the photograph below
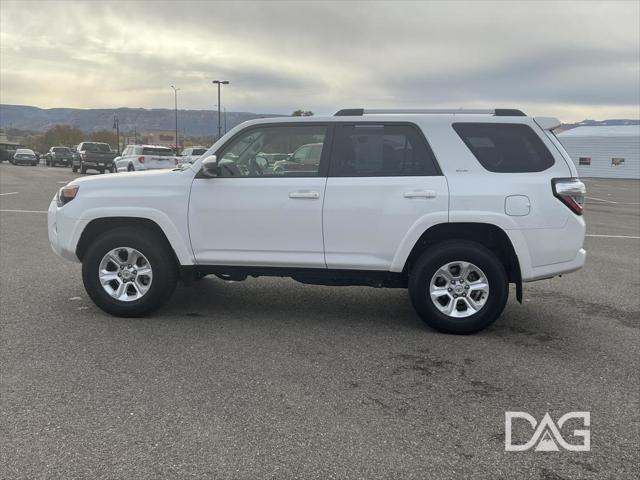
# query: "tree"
x,y
302,113
104,136
60,135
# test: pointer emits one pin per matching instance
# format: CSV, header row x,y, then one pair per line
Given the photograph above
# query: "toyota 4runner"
x,y
452,204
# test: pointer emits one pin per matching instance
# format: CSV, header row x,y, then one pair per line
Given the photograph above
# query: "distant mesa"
x,y
191,122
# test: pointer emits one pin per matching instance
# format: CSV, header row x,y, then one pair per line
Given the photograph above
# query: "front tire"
x,y
129,272
458,287
83,169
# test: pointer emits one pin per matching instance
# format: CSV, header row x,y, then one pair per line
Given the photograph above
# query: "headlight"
x,y
66,194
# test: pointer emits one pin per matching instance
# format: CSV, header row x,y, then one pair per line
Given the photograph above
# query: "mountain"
x,y
597,123
190,122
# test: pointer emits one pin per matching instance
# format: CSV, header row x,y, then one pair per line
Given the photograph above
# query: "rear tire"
x,y
74,169
482,267
130,168
160,260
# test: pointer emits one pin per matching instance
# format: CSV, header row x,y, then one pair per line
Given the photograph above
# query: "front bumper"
x,y
61,229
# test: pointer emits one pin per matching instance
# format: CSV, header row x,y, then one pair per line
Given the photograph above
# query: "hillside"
x,y
191,122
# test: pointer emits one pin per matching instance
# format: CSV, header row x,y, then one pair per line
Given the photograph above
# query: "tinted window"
x,y
157,151
380,151
505,148
268,152
96,147
198,151
61,149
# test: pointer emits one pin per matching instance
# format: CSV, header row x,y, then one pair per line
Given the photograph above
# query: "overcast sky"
x,y
573,60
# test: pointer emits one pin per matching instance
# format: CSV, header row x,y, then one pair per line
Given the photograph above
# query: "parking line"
x,y
600,199
610,236
24,211
9,193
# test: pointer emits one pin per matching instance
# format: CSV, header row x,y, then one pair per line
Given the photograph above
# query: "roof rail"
x,y
498,112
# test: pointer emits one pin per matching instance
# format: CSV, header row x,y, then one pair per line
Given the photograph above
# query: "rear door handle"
x,y
304,194
420,194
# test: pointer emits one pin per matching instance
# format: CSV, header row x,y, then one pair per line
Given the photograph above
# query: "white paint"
x,y
9,193
23,211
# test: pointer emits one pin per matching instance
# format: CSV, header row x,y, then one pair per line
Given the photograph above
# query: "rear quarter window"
x,y
505,147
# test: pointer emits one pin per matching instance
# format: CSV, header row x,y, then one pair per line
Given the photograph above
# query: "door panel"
x,y
255,214
367,219
384,186
255,221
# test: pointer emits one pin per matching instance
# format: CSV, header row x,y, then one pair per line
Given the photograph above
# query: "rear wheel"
x,y
74,169
459,287
129,273
130,168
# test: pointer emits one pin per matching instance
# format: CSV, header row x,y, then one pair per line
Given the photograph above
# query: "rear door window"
x,y
380,150
505,147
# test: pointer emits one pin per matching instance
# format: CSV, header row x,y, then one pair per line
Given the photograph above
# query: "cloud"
x,y
572,57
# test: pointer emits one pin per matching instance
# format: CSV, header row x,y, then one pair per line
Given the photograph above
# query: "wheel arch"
x,y
98,226
486,234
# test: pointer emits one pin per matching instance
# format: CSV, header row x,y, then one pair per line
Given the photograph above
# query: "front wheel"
x,y
129,273
83,169
458,287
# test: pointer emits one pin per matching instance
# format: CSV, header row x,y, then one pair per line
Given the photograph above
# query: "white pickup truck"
x,y
452,204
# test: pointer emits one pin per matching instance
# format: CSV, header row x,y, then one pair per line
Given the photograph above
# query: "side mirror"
x,y
210,166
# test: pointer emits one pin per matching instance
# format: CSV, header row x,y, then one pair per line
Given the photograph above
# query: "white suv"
x,y
145,157
452,204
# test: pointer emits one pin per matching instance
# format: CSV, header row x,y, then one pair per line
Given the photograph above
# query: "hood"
x,y
149,177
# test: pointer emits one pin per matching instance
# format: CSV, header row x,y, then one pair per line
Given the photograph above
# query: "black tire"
x,y
130,168
83,169
74,169
101,171
460,250
161,259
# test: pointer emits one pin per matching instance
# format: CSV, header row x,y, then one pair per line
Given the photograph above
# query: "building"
x,y
166,138
604,151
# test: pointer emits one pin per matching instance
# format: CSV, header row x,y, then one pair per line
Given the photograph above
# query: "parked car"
x,y
305,159
93,155
58,156
452,205
25,156
145,157
8,150
191,154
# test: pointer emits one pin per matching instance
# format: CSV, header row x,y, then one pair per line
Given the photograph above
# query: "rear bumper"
x,y
555,269
548,252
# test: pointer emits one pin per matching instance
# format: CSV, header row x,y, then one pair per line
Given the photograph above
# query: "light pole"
x,y
175,98
116,125
219,82
224,109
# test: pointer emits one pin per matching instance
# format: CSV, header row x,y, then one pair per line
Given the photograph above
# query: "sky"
x,y
573,60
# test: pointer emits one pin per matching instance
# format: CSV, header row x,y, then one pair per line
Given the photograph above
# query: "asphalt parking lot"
x,y
269,378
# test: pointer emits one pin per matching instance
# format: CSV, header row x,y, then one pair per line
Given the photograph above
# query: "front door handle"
x,y
304,194
420,194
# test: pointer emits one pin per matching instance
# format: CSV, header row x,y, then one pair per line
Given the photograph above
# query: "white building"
x,y
604,151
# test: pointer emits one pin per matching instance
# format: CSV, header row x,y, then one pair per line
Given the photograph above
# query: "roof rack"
x,y
498,112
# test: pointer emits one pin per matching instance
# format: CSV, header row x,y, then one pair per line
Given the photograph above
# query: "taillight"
x,y
571,192
141,159
66,194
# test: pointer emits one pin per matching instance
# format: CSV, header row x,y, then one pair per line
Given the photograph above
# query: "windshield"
x,y
158,151
61,149
96,147
198,151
